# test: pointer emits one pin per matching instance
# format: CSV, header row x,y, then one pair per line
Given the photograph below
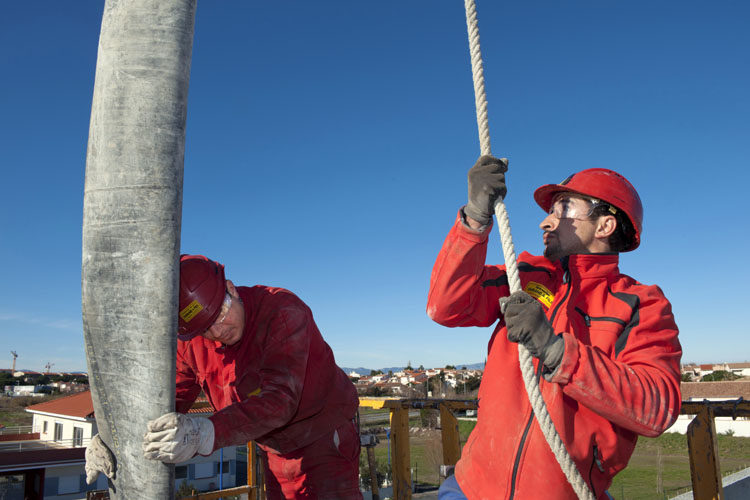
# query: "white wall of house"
x,y
24,390
46,425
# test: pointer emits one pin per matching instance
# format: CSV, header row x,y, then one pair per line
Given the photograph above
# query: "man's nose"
x,y
549,223
212,333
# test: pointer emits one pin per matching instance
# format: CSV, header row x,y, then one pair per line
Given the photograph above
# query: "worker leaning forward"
x,y
258,356
605,346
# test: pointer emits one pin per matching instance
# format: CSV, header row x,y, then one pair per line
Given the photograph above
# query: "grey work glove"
x,y
486,185
175,437
528,325
98,459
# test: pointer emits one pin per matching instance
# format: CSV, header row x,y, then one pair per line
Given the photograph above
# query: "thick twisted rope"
x,y
527,366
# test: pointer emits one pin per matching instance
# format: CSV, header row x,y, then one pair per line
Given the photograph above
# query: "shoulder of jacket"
x,y
626,284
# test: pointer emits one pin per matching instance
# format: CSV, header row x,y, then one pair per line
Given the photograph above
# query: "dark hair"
x,y
621,239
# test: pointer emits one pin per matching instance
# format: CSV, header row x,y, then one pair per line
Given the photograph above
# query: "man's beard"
x,y
553,250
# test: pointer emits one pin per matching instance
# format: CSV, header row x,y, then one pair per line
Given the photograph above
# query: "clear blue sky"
x,y
328,144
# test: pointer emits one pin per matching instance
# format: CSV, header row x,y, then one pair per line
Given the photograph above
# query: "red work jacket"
x,y
619,376
278,386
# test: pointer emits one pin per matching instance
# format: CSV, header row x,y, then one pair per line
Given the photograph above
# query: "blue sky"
x,y
328,144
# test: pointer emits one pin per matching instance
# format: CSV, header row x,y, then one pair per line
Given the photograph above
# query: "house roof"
x,y
76,405
724,389
80,405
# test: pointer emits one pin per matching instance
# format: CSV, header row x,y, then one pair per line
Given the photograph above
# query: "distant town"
x,y
448,382
409,382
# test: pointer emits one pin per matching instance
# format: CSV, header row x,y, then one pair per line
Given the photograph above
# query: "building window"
x,y
58,431
44,427
180,472
12,486
224,467
77,436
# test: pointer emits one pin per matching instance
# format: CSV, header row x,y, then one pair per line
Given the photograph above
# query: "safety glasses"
x,y
225,307
566,206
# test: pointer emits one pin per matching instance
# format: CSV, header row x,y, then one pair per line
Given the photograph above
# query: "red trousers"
x,y
325,469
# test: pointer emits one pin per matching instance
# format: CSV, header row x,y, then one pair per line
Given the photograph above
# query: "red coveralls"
x,y
279,386
619,376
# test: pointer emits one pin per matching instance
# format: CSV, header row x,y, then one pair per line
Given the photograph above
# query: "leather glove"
x,y
486,185
98,459
528,325
175,437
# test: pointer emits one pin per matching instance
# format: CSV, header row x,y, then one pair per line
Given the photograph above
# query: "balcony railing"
x,y
18,429
8,446
701,435
703,450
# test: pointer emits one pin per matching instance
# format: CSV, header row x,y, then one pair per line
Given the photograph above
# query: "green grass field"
x,y
660,468
12,410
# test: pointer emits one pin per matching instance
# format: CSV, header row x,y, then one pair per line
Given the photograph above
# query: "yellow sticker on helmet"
x,y
190,311
539,292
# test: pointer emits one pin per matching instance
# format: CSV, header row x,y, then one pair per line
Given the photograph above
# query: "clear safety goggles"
x,y
566,206
225,307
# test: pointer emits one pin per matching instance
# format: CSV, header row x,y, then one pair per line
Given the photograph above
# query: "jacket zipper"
x,y
540,367
588,319
595,461
517,462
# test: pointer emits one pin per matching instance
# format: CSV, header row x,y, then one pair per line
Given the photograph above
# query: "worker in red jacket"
x,y
605,346
270,377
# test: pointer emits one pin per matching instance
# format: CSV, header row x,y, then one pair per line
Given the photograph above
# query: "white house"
x,y
66,426
741,369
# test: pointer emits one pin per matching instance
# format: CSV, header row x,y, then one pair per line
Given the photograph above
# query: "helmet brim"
x,y
545,195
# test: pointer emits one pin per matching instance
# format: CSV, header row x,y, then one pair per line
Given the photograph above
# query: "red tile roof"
x,y
80,405
77,405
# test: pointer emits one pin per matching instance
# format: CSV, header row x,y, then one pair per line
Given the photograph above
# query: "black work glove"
x,y
528,325
486,185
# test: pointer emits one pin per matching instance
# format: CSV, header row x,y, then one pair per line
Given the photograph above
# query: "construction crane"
x,y
48,366
13,369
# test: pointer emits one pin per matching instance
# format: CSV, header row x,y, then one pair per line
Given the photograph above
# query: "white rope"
x,y
527,366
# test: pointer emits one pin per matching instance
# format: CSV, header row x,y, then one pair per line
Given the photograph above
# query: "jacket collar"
x,y
591,265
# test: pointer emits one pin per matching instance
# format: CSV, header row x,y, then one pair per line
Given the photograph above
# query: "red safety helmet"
x,y
202,289
602,184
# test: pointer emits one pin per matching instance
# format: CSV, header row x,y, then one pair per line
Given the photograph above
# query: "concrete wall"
x,y
202,471
69,482
724,425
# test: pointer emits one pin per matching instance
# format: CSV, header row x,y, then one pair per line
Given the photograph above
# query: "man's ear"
x,y
231,289
605,226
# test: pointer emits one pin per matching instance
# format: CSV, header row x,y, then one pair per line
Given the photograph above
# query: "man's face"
x,y
230,324
568,228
